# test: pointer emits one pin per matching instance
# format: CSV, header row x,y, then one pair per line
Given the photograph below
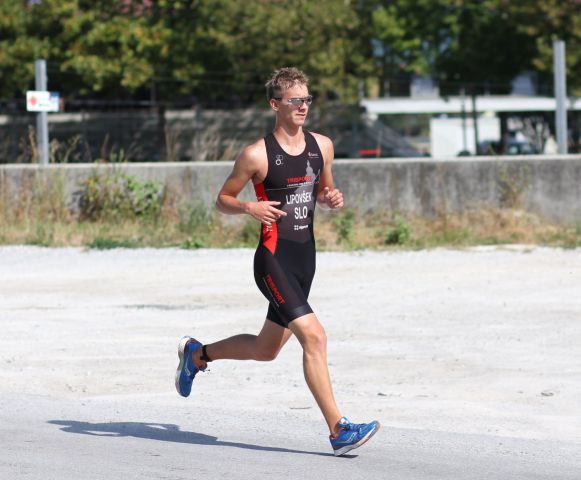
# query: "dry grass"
x,y
482,226
474,228
38,215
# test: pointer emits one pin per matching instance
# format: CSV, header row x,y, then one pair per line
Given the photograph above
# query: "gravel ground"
x,y
470,359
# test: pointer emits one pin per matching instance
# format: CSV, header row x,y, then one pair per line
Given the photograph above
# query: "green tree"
x,y
215,47
461,43
120,46
403,37
487,49
98,46
22,39
321,37
220,48
545,22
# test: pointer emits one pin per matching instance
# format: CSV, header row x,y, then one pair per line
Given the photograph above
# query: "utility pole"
x,y
463,105
475,121
41,117
559,72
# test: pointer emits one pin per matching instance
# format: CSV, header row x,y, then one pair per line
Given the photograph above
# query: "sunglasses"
x,y
298,101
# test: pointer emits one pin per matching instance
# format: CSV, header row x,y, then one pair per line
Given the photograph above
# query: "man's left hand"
x,y
332,198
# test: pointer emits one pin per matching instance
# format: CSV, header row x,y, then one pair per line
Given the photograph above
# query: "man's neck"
x,y
291,136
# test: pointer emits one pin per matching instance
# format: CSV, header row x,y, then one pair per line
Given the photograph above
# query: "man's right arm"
x,y
247,166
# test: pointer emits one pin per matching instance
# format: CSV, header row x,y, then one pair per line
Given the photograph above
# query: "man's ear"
x,y
274,104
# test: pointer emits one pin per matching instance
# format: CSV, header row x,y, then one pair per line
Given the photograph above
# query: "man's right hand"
x,y
265,212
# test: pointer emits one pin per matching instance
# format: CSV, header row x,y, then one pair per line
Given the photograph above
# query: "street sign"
x,y
41,101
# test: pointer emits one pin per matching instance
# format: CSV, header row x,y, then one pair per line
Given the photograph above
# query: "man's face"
x,y
294,114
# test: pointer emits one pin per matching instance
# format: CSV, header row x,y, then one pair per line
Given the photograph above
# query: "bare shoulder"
x,y
322,140
254,153
252,161
326,146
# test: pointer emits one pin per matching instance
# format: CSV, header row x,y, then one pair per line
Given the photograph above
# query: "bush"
x,y
344,223
399,234
106,243
116,195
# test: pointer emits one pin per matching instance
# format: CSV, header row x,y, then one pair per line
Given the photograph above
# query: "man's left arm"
x,y
329,196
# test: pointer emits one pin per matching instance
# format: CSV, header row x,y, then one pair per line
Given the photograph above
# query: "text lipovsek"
x,y
301,197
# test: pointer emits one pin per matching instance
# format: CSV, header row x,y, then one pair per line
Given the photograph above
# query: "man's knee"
x,y
315,339
310,333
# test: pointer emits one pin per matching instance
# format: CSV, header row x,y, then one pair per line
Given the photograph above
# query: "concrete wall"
x,y
549,186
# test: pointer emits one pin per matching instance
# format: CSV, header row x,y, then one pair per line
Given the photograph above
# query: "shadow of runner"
x,y
164,432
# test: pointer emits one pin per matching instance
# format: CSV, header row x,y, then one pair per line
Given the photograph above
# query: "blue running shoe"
x,y
187,368
352,435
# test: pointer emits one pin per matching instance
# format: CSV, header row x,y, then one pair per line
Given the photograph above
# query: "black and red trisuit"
x,y
284,262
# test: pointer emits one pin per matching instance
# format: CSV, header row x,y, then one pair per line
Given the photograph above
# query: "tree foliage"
x,y
320,37
217,47
225,48
477,44
545,22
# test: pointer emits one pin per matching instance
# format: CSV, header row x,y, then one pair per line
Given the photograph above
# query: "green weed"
x,y
192,244
513,181
344,223
194,218
43,235
399,234
250,233
116,195
106,243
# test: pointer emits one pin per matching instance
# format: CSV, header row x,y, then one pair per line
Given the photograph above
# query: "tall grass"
x,y
116,210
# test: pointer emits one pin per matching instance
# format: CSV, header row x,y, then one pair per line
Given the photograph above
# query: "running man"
x,y
291,171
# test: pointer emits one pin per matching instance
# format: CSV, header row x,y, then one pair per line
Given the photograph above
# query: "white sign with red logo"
x,y
39,101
